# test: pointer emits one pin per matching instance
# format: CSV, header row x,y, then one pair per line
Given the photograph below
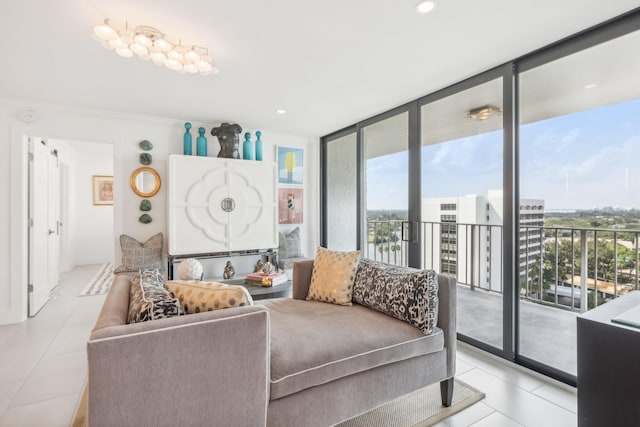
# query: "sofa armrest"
x,y
207,368
301,278
447,294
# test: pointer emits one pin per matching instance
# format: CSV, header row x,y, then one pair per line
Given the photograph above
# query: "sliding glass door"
x,y
579,193
462,202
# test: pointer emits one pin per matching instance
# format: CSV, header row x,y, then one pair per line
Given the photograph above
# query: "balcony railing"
x,y
565,267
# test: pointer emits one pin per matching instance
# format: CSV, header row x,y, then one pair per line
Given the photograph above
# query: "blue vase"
x,y
247,147
258,145
188,142
201,143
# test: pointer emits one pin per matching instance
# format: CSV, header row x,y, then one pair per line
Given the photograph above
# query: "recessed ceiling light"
x,y
591,86
425,6
281,111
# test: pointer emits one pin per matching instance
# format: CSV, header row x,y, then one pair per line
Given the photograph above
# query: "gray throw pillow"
x,y
137,256
404,293
289,246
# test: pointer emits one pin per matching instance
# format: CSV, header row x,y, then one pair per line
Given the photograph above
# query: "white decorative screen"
x,y
220,205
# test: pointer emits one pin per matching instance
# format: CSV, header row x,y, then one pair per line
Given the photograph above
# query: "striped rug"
x,y
101,282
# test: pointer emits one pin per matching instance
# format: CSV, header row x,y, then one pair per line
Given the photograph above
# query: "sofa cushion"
x,y
313,343
333,275
150,300
289,244
405,293
196,296
137,256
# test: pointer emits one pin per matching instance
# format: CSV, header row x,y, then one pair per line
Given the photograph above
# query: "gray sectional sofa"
x,y
284,362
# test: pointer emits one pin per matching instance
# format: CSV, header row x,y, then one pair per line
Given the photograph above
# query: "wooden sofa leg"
x,y
446,391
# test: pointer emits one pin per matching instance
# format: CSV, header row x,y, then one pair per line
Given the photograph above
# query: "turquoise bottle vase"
x,y
258,146
247,147
188,142
201,143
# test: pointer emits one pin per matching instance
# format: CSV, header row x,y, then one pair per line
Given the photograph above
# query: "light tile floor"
x,y
43,369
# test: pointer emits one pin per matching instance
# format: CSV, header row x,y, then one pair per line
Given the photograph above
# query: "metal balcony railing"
x,y
569,268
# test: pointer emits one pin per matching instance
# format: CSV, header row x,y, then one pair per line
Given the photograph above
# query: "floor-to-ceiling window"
x,y
462,146
529,191
386,174
579,189
341,185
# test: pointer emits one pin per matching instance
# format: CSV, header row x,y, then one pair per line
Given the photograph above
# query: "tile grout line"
x,y
38,362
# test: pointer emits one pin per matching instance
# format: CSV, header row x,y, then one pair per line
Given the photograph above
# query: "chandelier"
x,y
151,44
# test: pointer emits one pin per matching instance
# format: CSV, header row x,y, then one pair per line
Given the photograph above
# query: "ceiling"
x,y
328,64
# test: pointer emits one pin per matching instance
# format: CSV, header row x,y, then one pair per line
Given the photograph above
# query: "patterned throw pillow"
x,y
404,293
333,275
197,296
289,246
149,299
137,256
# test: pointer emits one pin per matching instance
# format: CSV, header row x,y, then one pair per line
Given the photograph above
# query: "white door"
x,y
53,221
44,208
39,221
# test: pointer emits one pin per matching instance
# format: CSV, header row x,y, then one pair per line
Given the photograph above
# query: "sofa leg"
x,y
446,391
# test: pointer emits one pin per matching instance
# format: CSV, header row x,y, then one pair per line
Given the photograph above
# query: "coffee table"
x,y
282,290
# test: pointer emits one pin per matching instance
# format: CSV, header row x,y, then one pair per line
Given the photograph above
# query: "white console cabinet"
x,y
221,205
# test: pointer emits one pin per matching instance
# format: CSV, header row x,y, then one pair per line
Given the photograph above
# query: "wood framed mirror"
x,y
145,181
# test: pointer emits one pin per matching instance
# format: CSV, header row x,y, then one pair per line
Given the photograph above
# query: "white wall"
x,y
123,132
91,226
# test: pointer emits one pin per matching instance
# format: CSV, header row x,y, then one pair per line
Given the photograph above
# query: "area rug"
x,y
100,283
421,408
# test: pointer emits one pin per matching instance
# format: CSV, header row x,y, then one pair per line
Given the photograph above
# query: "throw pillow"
x,y
289,245
137,256
404,293
197,296
150,300
333,276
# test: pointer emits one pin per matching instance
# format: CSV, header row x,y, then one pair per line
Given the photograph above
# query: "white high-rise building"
x,y
466,237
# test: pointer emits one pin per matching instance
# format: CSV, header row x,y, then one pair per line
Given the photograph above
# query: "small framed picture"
x,y
290,166
102,190
290,206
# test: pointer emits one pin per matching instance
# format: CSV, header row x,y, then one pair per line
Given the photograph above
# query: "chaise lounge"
x,y
284,362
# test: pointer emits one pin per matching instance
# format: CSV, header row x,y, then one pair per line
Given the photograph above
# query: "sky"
x,y
577,161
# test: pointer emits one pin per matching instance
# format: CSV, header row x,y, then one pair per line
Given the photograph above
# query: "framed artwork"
x,y
290,165
102,190
290,206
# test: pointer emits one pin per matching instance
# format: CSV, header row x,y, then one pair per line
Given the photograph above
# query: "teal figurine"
x,y
188,142
201,143
258,146
247,147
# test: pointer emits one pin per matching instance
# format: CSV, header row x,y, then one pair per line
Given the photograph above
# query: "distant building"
x,y
466,237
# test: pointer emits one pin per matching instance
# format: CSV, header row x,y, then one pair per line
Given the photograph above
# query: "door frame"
x,y
16,310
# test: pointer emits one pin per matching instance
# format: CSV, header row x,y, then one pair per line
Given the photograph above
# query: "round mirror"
x,y
145,181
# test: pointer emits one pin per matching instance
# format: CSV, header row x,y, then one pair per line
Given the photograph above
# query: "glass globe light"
x,y
173,64
118,44
191,68
143,40
203,66
125,52
191,56
144,57
105,32
158,57
138,49
173,54
164,45
107,45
